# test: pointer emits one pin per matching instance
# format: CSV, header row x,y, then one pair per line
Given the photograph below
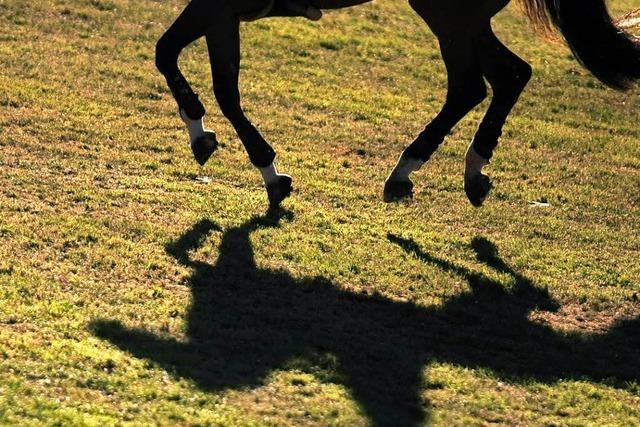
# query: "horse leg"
x,y
508,75
223,42
188,27
466,89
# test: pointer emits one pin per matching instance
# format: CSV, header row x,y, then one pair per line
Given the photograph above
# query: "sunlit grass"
x,y
97,182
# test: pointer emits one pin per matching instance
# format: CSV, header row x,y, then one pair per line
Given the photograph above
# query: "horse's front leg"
x,y
192,24
223,41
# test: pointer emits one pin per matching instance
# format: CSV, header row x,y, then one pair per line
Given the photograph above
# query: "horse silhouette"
x,y
245,322
472,53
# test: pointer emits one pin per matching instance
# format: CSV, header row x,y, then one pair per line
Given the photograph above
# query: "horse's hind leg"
x,y
188,27
466,89
508,75
223,41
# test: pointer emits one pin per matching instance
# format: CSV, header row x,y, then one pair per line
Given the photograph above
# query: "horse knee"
x,y
511,80
166,55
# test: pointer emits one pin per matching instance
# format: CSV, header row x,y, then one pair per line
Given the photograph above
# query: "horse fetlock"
x,y
270,174
406,166
203,142
474,162
195,127
279,185
261,154
476,184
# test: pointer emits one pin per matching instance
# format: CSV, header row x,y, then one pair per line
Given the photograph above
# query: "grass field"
x,y
133,293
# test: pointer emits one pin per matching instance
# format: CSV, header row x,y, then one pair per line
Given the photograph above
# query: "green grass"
x,y
132,294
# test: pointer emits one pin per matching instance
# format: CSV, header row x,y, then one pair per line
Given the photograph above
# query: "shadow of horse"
x,y
245,322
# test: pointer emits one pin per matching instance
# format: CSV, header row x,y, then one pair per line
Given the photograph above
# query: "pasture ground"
x,y
132,293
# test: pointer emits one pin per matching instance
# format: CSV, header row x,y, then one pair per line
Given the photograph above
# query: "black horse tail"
x,y
611,54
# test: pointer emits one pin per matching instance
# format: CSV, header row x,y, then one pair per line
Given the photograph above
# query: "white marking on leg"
x,y
405,167
195,127
269,174
474,163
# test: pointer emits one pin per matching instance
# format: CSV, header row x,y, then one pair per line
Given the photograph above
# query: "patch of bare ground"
x,y
578,318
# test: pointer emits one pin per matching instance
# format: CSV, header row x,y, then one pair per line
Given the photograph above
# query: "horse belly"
x,y
336,4
457,16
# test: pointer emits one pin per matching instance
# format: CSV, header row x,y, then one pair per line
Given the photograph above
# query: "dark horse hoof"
x,y
395,191
279,190
204,146
477,189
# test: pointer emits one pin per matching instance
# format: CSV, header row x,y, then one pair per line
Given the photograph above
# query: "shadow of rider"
x,y
245,322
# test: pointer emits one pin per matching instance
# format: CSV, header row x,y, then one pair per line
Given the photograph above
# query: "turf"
x,y
132,291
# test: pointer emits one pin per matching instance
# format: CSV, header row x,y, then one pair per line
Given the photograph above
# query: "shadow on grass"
x,y
245,322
